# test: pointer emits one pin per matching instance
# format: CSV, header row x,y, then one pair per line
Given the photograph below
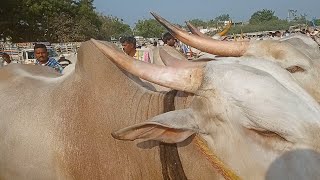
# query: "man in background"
x,y
168,39
63,61
171,41
129,45
5,60
42,58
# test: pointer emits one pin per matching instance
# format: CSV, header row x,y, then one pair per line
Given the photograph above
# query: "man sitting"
x,y
63,61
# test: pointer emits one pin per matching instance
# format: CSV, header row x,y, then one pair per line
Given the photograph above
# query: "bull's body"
x,y
58,127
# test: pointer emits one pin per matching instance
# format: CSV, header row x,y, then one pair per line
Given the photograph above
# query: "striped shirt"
x,y
52,63
142,55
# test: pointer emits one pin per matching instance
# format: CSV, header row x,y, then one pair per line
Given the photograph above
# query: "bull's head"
x,y
252,114
299,54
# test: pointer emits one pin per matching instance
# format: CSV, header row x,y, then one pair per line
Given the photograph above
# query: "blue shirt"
x,y
52,63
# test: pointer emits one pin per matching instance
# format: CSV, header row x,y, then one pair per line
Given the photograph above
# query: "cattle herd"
x,y
249,111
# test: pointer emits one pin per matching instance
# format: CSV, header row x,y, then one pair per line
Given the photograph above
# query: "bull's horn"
x,y
225,31
221,48
184,79
195,31
169,60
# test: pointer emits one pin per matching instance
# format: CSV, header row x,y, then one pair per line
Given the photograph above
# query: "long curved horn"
x,y
184,79
221,48
225,31
169,60
195,31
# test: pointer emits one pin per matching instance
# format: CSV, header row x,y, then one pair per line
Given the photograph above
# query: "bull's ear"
x,y
170,127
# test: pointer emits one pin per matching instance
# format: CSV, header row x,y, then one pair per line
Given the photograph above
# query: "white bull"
x,y
256,120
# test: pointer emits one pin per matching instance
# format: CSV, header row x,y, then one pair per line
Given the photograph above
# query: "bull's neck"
x,y
108,82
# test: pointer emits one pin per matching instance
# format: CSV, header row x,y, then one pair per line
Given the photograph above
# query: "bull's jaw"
x,y
243,151
249,162
247,154
233,148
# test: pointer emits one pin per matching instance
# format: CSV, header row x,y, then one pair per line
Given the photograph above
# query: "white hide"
x,y
253,115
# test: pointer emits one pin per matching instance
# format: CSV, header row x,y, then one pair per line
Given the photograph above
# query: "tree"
x,y
223,17
13,20
302,19
148,28
113,27
48,20
87,20
317,22
198,23
215,22
262,16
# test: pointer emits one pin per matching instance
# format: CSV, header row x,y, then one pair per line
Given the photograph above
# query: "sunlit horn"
x,y
195,31
226,30
184,79
221,48
169,60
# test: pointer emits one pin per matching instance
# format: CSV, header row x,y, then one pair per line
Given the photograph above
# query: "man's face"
x,y
171,42
127,47
41,55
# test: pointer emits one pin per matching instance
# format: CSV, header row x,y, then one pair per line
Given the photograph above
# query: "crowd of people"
x,y
143,53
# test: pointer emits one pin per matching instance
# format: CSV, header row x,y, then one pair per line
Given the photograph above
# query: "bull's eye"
x,y
268,139
268,134
294,69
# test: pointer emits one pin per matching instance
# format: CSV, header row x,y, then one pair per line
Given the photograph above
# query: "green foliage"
x,y
223,17
217,21
301,19
198,23
148,28
113,27
272,25
77,20
53,21
262,16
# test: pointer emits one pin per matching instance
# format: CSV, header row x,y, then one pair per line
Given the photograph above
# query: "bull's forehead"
x,y
305,44
306,79
273,103
297,50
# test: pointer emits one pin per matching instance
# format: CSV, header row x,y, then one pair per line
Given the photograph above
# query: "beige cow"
x,y
56,126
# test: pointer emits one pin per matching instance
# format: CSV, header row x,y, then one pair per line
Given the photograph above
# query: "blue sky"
x,y
178,11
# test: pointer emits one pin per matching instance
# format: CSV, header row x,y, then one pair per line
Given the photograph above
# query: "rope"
x,y
225,171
